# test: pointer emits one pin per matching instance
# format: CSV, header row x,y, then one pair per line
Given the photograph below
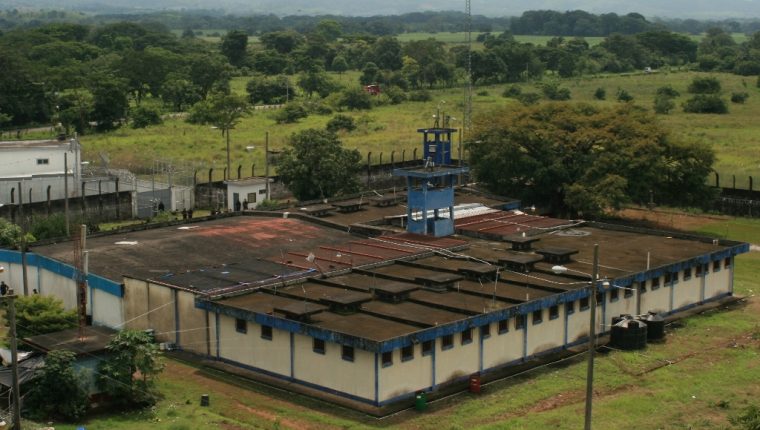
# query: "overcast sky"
x,y
700,9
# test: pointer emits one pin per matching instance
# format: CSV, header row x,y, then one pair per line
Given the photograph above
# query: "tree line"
x,y
536,22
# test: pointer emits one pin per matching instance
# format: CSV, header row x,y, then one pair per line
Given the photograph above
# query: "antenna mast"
x,y
467,121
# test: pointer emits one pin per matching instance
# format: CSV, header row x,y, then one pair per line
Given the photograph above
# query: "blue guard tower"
x,y
430,187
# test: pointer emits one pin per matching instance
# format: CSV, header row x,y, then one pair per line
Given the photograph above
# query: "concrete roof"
x,y
94,340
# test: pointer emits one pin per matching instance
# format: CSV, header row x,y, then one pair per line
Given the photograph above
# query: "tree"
x,y
339,64
179,92
129,371
316,81
663,104
11,235
705,103
144,116
39,314
706,85
370,73
268,90
315,165
74,107
291,113
57,390
110,102
234,45
340,122
579,159
355,98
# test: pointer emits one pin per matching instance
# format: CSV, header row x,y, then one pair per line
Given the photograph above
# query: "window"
x,y
41,161
347,353
252,198
519,322
642,287
727,263
628,292
699,271
387,358
503,326
318,346
584,303
447,341
427,347
599,299
667,278
655,283
675,277
570,308
538,316
266,332
485,331
241,326
687,274
554,312
467,336
407,353
263,191
614,294
716,266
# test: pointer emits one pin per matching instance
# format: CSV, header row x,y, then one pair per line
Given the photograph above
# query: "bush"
x,y
735,98
291,113
705,103
600,93
483,93
50,227
663,104
340,122
144,116
420,96
529,98
553,91
668,91
624,96
57,390
704,86
355,99
396,95
268,205
512,91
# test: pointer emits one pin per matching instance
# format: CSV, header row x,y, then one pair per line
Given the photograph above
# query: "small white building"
x,y
34,170
247,193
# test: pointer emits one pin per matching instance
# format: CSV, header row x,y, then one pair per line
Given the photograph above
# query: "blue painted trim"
x,y
377,377
300,382
480,350
218,347
567,319
292,355
432,366
525,337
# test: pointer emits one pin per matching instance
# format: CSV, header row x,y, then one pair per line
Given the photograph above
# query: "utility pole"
x,y
591,338
266,164
10,299
66,190
22,243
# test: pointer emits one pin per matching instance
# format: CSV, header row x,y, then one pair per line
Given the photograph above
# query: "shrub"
x,y
735,98
705,103
268,205
624,96
340,122
483,93
57,390
355,98
553,91
49,227
512,91
668,91
396,95
291,113
663,104
600,93
529,98
144,116
420,96
704,86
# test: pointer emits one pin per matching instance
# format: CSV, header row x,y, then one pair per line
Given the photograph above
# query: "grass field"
x,y
735,136
707,370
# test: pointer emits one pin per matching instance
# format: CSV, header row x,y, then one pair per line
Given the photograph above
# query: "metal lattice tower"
x,y
467,114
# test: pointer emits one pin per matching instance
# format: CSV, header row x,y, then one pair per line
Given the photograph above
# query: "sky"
x,y
698,9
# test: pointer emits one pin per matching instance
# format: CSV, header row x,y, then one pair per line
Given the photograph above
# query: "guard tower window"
x,y
667,278
614,294
318,345
241,325
570,308
687,274
42,161
628,292
347,353
655,283
642,287
584,303
727,263
387,358
599,299
266,332
467,336
427,347
716,266
407,353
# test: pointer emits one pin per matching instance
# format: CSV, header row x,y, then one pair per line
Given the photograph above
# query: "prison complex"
x,y
339,300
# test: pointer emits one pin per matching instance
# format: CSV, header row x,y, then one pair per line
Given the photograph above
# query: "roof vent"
x,y
346,302
557,255
394,292
521,243
439,282
301,312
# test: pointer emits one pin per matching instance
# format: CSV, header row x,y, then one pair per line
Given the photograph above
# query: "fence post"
x,y
717,180
393,154
403,156
734,177
210,185
750,184
369,172
381,159
414,156
240,169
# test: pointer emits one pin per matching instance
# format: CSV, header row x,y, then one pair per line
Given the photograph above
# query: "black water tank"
x,y
628,334
655,325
